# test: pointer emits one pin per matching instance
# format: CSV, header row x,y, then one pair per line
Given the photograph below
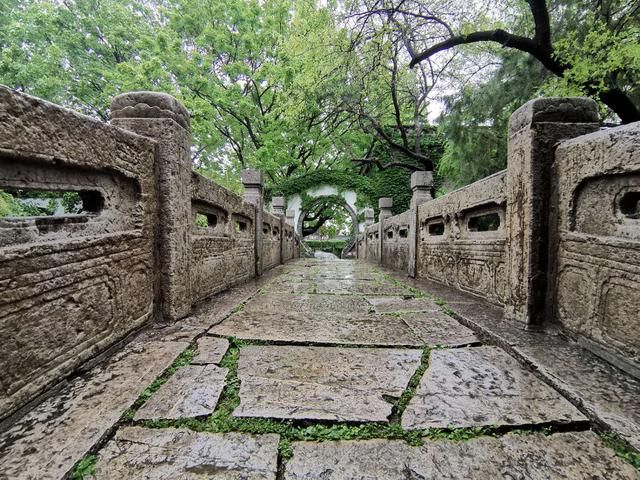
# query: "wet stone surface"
x,y
49,440
210,350
483,386
322,383
193,391
569,456
139,453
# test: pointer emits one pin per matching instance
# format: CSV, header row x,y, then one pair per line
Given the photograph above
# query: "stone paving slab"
x,y
210,350
47,442
193,391
322,383
402,304
325,327
604,391
562,456
140,453
437,328
483,386
307,303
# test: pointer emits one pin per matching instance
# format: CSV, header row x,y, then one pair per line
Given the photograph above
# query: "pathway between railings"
x,y
335,370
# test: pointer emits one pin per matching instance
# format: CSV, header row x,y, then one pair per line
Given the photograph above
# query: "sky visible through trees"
x,y
362,87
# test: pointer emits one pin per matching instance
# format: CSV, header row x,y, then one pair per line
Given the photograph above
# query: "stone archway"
x,y
344,203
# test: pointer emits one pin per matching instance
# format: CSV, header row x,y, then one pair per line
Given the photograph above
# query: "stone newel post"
x,y
534,131
421,184
384,204
161,117
369,217
291,215
253,187
278,205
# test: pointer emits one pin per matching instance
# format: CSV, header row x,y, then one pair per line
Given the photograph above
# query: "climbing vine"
x,y
389,183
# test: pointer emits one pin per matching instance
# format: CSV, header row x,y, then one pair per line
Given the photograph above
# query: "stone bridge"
x,y
169,329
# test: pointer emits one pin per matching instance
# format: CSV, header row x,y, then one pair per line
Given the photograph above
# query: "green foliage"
x,y
183,359
475,122
622,448
331,246
85,468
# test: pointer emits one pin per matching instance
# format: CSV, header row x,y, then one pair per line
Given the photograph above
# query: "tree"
x,y
428,33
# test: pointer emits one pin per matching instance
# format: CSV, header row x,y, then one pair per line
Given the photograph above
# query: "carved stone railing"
x,y
71,286
553,238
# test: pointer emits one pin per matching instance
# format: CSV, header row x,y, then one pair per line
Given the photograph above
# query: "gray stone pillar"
x,y
278,205
421,185
253,187
384,204
369,217
161,117
291,217
534,131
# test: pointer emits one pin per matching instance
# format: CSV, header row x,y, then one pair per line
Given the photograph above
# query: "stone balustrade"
x,y
152,240
554,238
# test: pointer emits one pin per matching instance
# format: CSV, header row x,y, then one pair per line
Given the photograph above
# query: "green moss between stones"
x,y
85,468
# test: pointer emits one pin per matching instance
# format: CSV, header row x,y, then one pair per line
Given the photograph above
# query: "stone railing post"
x,y
385,204
278,205
253,188
291,216
369,217
534,131
421,185
161,117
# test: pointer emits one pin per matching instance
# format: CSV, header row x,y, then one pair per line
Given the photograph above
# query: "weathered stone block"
x,y
137,452
483,386
322,383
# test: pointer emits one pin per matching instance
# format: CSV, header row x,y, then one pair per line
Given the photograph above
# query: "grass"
x,y
85,468
223,421
183,359
622,448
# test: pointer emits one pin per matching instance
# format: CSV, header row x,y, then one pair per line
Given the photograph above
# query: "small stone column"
x,y
369,217
421,184
278,205
291,216
253,188
384,204
534,131
161,117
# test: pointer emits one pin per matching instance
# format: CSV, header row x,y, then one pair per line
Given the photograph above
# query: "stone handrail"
x,y
71,286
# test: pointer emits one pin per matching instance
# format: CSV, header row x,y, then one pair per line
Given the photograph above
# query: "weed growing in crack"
x,y
183,359
410,391
85,468
622,448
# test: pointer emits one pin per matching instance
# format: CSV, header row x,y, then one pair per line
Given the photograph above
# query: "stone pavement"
x,y
333,370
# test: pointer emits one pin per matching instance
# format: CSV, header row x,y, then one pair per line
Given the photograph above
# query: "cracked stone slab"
x,y
306,303
210,350
322,383
192,391
437,328
483,386
324,327
48,441
141,453
562,456
402,304
605,392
